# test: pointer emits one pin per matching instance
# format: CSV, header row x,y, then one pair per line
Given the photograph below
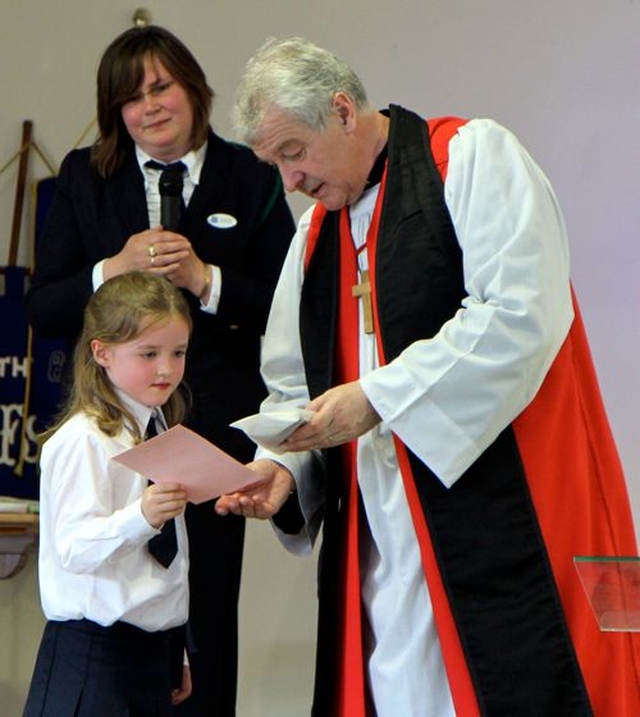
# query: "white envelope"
x,y
270,429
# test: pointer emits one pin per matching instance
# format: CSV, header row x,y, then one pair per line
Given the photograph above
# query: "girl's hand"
x,y
180,694
163,501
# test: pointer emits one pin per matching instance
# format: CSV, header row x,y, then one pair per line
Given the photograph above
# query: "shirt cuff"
x,y
97,276
211,307
133,525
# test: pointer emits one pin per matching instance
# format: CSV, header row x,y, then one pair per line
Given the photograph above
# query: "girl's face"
x,y
160,118
149,367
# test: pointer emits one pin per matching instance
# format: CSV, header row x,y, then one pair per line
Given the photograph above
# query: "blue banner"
x,y
30,373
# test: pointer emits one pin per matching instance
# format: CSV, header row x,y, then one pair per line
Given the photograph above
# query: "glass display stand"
x,y
612,586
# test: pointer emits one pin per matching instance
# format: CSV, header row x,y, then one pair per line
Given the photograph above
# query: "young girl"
x,y
112,608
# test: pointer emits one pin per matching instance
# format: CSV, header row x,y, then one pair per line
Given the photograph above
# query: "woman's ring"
x,y
151,250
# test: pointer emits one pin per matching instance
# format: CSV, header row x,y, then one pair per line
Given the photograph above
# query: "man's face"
x,y
323,165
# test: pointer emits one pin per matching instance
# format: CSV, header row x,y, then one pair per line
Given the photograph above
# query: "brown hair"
x,y
120,310
120,75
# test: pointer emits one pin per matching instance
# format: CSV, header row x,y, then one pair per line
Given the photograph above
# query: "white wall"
x,y
563,74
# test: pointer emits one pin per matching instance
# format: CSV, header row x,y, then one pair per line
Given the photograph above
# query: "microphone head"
x,y
170,183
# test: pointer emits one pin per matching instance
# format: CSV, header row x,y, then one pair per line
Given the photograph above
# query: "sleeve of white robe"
x,y
284,375
449,397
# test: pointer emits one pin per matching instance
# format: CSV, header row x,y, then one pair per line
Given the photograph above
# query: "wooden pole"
x,y
27,129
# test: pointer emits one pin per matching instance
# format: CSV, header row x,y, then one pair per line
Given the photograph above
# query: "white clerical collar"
x,y
193,161
365,203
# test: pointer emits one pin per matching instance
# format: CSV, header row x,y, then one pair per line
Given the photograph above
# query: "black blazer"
x,y
91,218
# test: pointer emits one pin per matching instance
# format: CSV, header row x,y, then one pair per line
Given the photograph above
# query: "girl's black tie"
x,y
164,546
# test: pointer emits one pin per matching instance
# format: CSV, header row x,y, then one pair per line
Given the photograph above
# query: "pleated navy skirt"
x,y
86,670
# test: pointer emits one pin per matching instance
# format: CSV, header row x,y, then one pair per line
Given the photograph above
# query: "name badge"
x,y
221,220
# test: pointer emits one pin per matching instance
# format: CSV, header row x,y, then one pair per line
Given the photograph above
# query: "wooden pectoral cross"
x,y
363,291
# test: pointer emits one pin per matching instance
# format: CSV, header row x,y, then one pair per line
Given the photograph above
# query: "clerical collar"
x,y
375,175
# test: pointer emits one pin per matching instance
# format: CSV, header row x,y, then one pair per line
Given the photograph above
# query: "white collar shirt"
x,y
193,161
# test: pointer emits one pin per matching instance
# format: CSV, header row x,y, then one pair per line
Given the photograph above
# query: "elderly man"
x,y
458,452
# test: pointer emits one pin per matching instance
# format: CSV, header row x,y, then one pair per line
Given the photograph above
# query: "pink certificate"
x,y
181,456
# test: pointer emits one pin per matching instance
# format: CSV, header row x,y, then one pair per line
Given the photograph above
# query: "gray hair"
x,y
298,77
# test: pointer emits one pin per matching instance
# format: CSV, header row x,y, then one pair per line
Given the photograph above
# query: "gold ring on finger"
x,y
151,250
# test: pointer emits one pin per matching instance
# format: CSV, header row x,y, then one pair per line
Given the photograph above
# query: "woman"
x,y
226,254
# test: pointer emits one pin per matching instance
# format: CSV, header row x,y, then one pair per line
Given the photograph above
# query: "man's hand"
x,y
262,499
341,414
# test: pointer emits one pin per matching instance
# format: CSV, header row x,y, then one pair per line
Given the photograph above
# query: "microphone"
x,y
170,188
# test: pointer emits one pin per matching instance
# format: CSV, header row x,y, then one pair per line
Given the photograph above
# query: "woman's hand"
x,y
190,273
153,250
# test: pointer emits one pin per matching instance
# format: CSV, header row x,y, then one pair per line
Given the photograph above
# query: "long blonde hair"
x,y
118,312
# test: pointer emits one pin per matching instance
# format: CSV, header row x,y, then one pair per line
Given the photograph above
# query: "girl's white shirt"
x,y
93,558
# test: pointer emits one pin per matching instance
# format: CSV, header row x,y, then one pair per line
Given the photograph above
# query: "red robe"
x,y
516,629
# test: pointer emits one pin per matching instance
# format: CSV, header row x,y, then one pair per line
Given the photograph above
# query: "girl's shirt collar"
x,y
142,413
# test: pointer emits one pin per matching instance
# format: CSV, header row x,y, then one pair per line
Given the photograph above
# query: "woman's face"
x,y
159,118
